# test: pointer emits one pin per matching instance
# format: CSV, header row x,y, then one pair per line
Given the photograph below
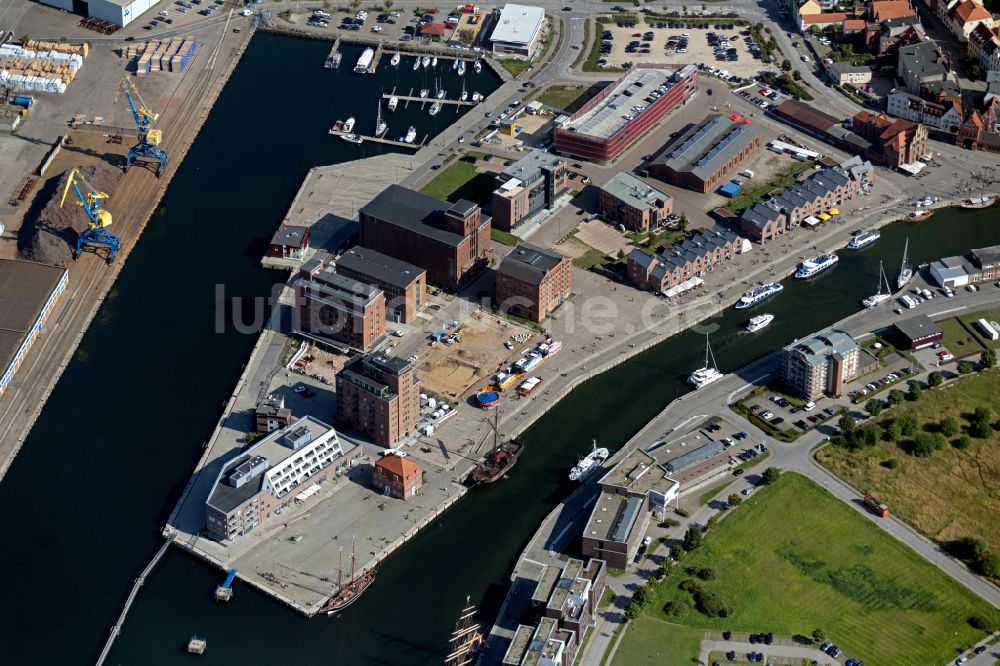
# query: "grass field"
x,y
652,641
970,323
837,571
782,180
461,181
958,339
504,237
953,493
569,98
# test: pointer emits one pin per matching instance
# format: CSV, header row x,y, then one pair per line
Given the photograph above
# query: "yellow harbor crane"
x,y
149,139
90,200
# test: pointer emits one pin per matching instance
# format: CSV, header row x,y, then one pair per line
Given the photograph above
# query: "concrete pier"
x,y
411,98
379,139
375,60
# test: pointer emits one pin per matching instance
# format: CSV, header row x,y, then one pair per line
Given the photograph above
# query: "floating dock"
x,y
411,98
335,56
378,139
375,60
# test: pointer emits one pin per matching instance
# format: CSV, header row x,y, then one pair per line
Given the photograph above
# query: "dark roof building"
x,y
918,332
531,281
338,311
701,157
404,284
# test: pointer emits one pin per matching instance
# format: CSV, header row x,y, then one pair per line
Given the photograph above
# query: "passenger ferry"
x,y
758,295
816,265
864,239
589,463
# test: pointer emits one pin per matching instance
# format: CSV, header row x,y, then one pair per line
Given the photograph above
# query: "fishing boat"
x,y
816,265
348,125
466,640
393,103
978,202
434,61
864,239
380,125
435,108
364,61
416,63
758,295
477,97
352,138
411,135
425,61
708,373
880,296
905,271
501,459
395,59
424,92
919,215
759,322
348,592
461,68
477,66
588,464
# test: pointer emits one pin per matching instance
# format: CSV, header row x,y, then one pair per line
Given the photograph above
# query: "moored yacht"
x,y
393,103
880,296
411,135
461,68
758,295
759,322
816,265
435,108
348,125
477,66
395,59
864,239
905,271
589,463
708,373
424,92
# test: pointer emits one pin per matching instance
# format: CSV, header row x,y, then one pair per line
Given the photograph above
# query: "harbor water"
x,y
94,483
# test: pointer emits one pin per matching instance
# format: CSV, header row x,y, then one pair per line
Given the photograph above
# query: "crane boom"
x,y
144,117
90,200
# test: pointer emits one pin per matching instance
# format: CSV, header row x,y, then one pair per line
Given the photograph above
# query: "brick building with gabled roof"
x,y
396,476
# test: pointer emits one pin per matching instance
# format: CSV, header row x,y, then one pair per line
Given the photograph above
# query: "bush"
x,y
734,499
923,445
870,435
964,367
692,538
934,379
895,397
981,622
846,425
675,608
908,424
940,441
894,431
770,475
819,635
891,463
988,359
980,425
989,565
949,426
632,610
677,551
704,573
640,597
672,522
684,513
710,605
691,586
915,391
874,406
963,442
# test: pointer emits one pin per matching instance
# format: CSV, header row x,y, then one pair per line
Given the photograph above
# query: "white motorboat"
x,y
816,265
477,97
424,92
461,68
589,463
393,103
864,239
395,59
708,373
348,125
435,108
416,63
364,61
351,138
759,322
425,61
758,295
434,61
477,66
411,135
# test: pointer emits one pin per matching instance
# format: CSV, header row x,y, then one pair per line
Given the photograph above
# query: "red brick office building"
x,y
379,397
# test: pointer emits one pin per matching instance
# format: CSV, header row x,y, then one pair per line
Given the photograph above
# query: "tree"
x,y
388,4
770,475
796,75
980,425
940,441
676,552
641,596
934,379
915,391
870,434
963,442
874,406
818,634
692,538
908,423
895,397
846,425
949,426
682,223
734,499
924,445
988,359
894,431
786,65
990,565
354,4
964,367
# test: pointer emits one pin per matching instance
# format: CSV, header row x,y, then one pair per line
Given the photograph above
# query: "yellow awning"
x,y
823,216
834,211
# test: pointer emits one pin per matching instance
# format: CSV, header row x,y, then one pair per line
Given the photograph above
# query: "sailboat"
x,y
347,593
454,63
466,640
425,61
461,68
465,95
380,125
501,459
709,372
477,66
395,59
880,297
416,63
905,272
439,91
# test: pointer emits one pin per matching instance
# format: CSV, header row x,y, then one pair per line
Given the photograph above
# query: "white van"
x,y
748,173
809,406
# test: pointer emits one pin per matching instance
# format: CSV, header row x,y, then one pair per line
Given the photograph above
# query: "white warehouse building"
x,y
119,12
518,30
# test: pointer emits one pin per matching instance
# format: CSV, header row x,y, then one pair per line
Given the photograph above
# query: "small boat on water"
x,y
477,66
381,127
978,202
454,63
864,239
759,322
425,61
589,464
351,138
348,125
434,61
364,61
880,296
350,591
424,92
708,373
461,68
435,108
411,135
395,59
464,94
758,295
337,126
393,103
416,63
919,215
816,265
905,270
439,92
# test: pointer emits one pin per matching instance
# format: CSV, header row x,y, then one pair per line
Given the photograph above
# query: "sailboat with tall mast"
x,y
501,459
905,270
709,372
347,593
466,640
880,296
381,127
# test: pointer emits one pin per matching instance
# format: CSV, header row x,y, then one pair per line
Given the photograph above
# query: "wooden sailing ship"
x,y
501,459
466,640
349,592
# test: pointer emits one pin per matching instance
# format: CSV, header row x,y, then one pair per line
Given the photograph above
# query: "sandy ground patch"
x,y
603,237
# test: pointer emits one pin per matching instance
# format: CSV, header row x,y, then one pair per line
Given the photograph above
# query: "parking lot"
x,y
180,8
781,412
656,42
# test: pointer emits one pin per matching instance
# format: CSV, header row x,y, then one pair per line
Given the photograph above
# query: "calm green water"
x,y
84,502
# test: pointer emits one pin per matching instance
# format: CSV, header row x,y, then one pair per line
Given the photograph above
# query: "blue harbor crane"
x,y
97,233
148,146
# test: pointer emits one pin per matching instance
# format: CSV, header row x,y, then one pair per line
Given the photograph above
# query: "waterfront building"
x,y
518,30
379,397
271,414
527,186
398,477
404,285
894,143
823,364
289,242
917,332
633,203
450,241
288,465
681,267
531,282
630,492
28,294
601,130
701,158
117,12
335,311
981,265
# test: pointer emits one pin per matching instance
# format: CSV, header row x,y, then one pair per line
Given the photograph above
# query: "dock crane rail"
x,y
90,200
148,146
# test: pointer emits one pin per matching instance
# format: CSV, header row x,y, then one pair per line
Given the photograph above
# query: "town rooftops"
x,y
917,327
529,263
518,24
408,209
987,257
701,243
327,283
529,168
433,29
806,116
816,349
705,148
825,17
380,267
844,67
967,11
633,191
25,288
883,10
290,236
922,60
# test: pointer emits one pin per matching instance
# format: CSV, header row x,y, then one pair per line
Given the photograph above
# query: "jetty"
x,y
375,60
379,139
411,98
335,56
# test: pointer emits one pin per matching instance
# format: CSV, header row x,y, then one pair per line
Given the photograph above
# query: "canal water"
x,y
84,502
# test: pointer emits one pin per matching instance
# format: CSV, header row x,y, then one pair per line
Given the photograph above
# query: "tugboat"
x,y
816,265
466,640
348,593
589,463
864,239
879,297
501,459
758,295
905,272
708,373
759,322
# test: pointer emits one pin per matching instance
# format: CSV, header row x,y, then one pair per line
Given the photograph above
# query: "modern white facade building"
x,y
518,30
119,12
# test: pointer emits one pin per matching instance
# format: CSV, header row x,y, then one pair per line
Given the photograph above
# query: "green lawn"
x,y
569,98
970,323
652,641
460,181
504,237
958,339
793,558
785,179
515,65
953,493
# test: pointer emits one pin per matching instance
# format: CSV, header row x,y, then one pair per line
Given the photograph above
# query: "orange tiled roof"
x,y
404,467
969,11
851,25
883,10
829,17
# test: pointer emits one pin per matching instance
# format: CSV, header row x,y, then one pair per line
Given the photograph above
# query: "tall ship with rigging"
x,y
905,270
348,592
880,296
364,61
864,239
759,295
501,459
466,640
589,463
816,265
708,373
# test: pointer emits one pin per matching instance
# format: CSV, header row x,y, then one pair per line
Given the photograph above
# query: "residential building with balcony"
x,y
632,202
531,184
823,364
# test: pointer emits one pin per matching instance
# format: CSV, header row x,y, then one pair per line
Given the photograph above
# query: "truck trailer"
x,y
879,509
